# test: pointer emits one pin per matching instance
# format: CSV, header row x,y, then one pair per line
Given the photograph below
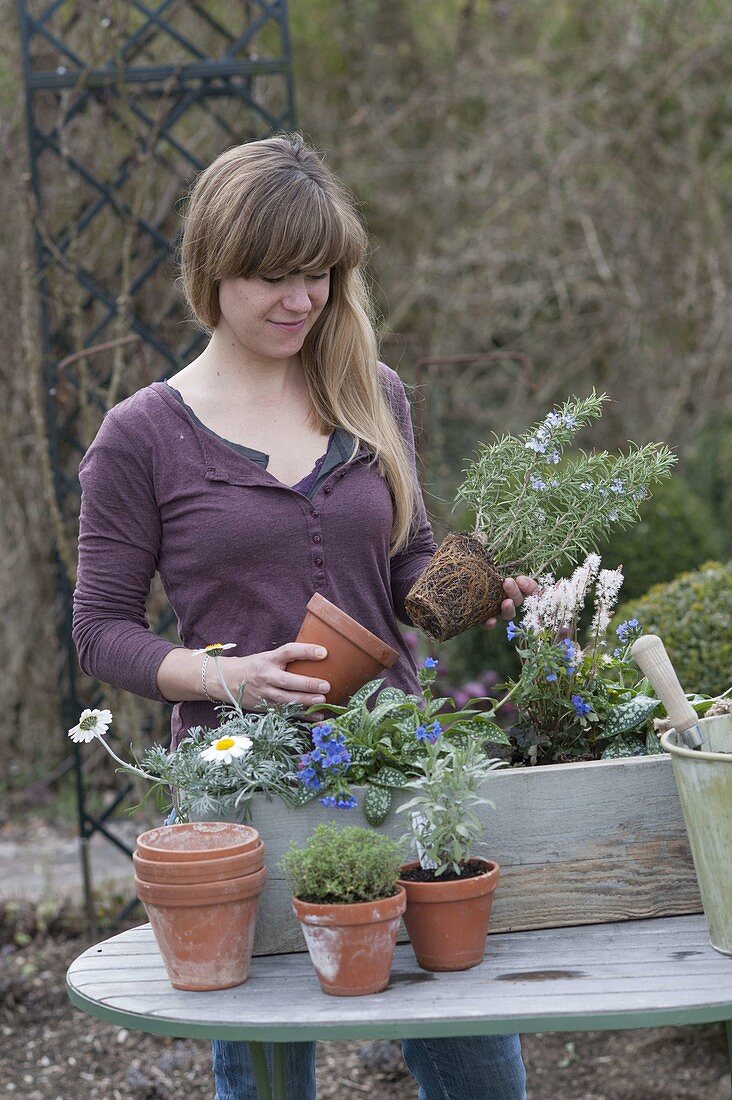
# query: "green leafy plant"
x,y
381,748
444,829
206,785
343,865
533,508
692,614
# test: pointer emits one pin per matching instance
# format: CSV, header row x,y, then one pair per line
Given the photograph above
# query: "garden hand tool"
x,y
651,657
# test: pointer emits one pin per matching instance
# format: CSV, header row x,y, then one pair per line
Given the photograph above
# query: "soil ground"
x,y
50,1051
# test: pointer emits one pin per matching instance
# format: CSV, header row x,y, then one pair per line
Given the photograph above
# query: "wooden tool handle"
x,y
651,657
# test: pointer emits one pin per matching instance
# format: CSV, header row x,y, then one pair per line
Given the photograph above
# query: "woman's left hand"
x,y
515,588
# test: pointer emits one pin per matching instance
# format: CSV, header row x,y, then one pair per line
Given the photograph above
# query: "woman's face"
x,y
270,317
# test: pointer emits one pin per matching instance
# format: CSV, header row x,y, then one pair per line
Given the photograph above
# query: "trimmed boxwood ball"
x,y
708,467
692,614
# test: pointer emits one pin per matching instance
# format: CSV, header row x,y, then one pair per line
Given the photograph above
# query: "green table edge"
x,y
419,1029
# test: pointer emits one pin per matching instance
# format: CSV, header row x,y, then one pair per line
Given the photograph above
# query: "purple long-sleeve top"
x,y
239,554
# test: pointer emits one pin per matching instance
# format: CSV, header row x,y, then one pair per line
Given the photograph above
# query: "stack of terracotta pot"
x,y
200,884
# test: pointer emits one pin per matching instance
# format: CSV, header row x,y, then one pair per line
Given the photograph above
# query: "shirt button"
x,y
315,513
316,538
318,562
328,489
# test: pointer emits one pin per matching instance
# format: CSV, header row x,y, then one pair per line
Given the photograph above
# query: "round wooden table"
x,y
647,973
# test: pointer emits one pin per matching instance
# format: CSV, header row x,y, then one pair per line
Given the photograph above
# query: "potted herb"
x,y
449,888
348,902
532,509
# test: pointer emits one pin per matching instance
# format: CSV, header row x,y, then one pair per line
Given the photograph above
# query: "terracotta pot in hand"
x,y
355,655
447,921
352,946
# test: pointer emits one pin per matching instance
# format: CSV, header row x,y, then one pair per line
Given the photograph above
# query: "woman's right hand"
x,y
266,678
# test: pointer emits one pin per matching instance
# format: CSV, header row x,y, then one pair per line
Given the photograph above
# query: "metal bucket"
x,y
704,781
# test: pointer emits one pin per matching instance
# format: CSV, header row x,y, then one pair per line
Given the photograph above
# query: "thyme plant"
x,y
533,507
341,866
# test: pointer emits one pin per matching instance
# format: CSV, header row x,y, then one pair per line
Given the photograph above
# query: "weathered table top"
x,y
605,976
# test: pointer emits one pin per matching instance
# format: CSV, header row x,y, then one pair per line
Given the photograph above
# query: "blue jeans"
x,y
481,1067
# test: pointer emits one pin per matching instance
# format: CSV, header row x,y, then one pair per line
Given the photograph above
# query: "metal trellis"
x,y
126,102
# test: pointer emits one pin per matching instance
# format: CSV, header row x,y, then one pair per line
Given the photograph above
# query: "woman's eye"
x,y
321,275
272,279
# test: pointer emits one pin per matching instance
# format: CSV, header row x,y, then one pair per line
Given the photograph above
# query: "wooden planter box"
x,y
576,843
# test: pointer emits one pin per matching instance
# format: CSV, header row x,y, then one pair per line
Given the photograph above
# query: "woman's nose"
x,y
296,297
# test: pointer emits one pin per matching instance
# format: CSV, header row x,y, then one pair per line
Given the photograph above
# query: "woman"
x,y
279,463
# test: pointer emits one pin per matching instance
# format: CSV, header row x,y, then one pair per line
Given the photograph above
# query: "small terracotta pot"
x,y
204,931
197,840
447,922
199,870
351,946
355,655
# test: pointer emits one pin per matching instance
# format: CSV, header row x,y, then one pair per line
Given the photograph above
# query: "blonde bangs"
x,y
291,227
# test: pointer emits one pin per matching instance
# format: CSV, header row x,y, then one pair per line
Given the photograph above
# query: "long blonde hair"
x,y
271,207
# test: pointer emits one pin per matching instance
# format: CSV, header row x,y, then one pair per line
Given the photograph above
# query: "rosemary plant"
x,y
533,508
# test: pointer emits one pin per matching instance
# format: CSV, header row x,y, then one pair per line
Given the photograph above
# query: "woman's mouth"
x,y
290,326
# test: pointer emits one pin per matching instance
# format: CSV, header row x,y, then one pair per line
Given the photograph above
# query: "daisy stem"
x,y
230,697
125,765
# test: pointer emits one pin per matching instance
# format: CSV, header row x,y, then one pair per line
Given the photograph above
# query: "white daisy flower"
x,y
215,648
226,749
93,723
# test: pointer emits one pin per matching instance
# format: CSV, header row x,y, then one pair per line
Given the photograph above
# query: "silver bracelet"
x,y
203,678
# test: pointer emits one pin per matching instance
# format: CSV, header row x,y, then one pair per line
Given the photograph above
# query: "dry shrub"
x,y
543,177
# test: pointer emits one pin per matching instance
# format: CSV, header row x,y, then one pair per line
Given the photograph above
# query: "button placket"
x,y
316,539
